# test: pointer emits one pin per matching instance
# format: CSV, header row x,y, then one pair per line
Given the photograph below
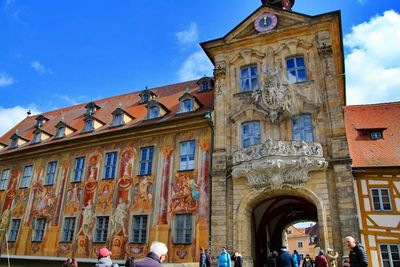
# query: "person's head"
x,y
103,253
284,248
329,251
321,252
129,261
350,242
202,250
236,254
308,255
160,249
223,249
275,253
295,252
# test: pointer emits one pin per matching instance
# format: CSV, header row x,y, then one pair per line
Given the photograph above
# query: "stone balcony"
x,y
277,163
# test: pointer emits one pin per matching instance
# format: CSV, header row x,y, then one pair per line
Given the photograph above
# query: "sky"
x,y
55,54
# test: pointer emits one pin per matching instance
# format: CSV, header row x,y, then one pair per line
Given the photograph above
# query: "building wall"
x,y
322,95
378,227
161,195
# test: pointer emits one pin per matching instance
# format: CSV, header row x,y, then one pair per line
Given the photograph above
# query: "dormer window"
x,y
89,124
154,112
205,84
187,105
14,142
187,102
37,137
40,120
91,108
376,135
118,118
146,96
60,131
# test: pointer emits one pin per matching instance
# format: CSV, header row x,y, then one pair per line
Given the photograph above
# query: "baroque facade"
x,y
280,151
372,132
119,172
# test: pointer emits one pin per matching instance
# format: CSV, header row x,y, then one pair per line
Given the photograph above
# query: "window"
x,y
251,134
118,119
296,69
302,128
376,135
390,255
60,132
187,150
26,176
110,166
381,199
139,229
89,125
154,112
289,232
183,229
37,138
206,85
146,160
38,231
68,230
101,229
14,142
51,172
4,179
14,229
249,79
186,105
78,171
299,244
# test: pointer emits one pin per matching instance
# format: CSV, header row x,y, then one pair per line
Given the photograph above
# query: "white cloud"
x,y
188,36
195,66
5,79
372,60
9,117
39,68
361,1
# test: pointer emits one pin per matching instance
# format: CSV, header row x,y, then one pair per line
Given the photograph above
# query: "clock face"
x,y
265,22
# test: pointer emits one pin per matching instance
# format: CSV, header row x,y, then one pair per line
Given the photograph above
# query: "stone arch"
x,y
248,203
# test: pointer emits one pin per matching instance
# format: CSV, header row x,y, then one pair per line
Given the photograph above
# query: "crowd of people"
x,y
158,252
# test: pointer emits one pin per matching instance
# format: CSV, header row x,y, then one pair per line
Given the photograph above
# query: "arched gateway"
x,y
280,152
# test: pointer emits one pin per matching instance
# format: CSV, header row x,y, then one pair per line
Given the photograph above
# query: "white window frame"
x,y
101,231
299,244
252,137
146,161
14,230
187,160
79,169
5,177
183,228
154,112
110,167
389,252
296,69
50,173
39,229
26,177
68,230
253,80
303,130
60,133
380,199
139,228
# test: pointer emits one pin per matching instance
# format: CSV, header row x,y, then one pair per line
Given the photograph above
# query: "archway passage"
x,y
272,217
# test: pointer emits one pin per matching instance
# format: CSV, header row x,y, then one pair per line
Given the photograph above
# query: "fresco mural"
x,y
119,198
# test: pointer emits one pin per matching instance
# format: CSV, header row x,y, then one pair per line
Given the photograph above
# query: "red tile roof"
x,y
360,121
73,115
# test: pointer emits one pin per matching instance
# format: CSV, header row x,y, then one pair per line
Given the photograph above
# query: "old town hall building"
x,y
230,160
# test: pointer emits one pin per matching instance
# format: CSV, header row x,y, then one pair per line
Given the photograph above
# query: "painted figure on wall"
x,y
91,183
21,200
88,216
119,218
105,195
127,158
72,204
143,194
46,203
185,194
11,191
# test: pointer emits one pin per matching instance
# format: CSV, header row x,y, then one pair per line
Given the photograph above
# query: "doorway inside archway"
x,y
273,218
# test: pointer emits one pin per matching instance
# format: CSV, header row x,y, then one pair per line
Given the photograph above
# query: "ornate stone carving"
x,y
277,163
276,96
219,74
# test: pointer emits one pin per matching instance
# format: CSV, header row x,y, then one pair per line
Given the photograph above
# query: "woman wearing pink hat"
x,y
104,259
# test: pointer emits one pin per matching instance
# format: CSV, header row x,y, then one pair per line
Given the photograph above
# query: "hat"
x,y
104,252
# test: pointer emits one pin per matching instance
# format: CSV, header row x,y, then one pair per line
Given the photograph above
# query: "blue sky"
x,y
59,53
